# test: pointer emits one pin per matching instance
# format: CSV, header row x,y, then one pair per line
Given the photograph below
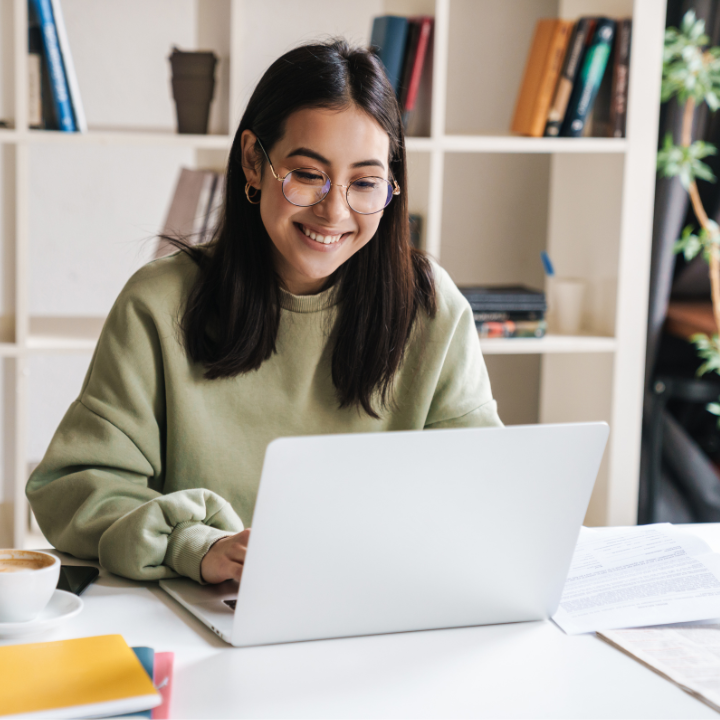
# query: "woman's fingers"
x,y
224,560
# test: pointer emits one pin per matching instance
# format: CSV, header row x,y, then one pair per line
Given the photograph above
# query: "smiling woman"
x,y
308,313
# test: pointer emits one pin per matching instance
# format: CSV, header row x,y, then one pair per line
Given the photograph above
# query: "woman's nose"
x,y
334,207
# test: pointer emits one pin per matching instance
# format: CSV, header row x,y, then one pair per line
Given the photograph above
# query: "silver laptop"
x,y
389,532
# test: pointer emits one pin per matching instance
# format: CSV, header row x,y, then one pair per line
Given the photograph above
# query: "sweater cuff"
x,y
187,545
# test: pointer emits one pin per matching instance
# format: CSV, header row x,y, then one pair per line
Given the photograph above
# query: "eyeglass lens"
x,y
306,186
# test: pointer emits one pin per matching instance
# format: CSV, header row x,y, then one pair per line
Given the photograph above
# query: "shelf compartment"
x,y
64,334
548,344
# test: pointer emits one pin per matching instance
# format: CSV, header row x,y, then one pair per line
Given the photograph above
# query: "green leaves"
x,y
709,350
686,162
691,244
688,71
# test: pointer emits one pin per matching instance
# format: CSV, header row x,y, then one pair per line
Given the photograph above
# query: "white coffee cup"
x,y
28,579
567,304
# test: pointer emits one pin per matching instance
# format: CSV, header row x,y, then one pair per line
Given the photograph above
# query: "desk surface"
x,y
501,671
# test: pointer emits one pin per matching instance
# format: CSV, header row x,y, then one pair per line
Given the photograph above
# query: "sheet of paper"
x,y
689,655
639,576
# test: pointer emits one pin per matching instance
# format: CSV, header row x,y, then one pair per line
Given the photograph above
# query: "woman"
x,y
308,313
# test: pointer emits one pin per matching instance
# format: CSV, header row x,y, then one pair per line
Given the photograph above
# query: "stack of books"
x,y
54,95
507,311
404,46
576,79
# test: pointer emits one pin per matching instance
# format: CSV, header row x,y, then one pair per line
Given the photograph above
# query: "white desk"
x,y
503,671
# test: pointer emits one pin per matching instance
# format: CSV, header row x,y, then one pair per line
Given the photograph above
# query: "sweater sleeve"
x,y
98,492
463,397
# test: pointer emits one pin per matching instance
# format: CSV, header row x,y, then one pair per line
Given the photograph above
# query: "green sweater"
x,y
153,463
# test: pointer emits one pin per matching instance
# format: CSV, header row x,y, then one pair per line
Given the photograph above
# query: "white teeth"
x,y
324,239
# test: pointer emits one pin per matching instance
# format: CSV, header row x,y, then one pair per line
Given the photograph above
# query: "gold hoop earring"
x,y
252,200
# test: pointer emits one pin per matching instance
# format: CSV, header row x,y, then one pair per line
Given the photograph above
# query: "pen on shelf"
x,y
547,264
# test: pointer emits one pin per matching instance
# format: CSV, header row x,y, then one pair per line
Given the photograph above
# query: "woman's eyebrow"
x,y
306,152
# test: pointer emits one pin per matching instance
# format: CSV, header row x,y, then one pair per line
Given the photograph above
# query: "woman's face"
x,y
346,145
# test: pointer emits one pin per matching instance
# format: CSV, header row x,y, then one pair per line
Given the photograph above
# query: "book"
x,y
511,329
58,80
417,54
411,45
597,123
589,79
417,113
620,77
146,656
504,298
69,66
389,33
542,70
504,316
79,678
581,34
162,677
194,209
415,230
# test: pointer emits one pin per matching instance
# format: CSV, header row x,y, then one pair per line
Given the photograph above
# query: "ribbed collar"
x,y
309,303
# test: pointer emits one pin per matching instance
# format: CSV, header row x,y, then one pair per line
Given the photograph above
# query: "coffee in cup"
x,y
28,579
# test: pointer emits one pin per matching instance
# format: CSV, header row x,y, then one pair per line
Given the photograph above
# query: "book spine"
x,y
411,41
503,315
588,82
512,329
388,39
73,88
61,97
419,61
571,66
621,73
162,678
542,71
558,49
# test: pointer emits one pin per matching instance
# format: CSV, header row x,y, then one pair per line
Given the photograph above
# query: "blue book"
x,y
389,33
588,81
56,69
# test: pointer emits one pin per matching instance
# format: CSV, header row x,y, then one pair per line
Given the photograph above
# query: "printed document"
x,y
639,576
688,655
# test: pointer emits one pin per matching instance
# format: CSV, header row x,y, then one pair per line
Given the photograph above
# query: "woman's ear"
x,y
251,163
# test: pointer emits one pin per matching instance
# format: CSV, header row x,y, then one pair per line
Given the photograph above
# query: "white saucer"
x,y
62,606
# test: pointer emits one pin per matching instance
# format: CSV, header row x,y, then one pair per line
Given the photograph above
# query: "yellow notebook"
x,y
85,677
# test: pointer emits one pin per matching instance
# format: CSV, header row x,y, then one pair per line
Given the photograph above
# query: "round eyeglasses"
x,y
306,186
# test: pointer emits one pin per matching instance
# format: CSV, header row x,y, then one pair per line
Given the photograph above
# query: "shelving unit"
x,y
490,202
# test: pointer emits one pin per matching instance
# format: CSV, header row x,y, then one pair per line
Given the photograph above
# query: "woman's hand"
x,y
225,559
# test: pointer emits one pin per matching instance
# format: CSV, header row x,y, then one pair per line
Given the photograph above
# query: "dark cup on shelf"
x,y
193,85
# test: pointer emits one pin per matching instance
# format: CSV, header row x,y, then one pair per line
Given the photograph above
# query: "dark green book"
x,y
588,82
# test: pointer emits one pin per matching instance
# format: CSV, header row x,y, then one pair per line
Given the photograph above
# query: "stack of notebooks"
x,y
53,92
507,311
85,677
576,79
404,46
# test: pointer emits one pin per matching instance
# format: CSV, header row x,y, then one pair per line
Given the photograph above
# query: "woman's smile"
x,y
321,239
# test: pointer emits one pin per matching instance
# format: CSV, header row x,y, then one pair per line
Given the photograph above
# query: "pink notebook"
x,y
162,679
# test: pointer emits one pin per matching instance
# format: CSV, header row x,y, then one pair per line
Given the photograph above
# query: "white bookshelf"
x,y
490,200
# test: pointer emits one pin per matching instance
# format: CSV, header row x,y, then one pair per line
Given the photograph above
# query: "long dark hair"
x,y
231,318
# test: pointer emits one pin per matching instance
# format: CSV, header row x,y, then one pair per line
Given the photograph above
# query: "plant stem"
x,y
702,217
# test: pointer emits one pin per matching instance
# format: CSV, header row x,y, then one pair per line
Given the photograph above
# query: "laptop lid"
x,y
388,532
